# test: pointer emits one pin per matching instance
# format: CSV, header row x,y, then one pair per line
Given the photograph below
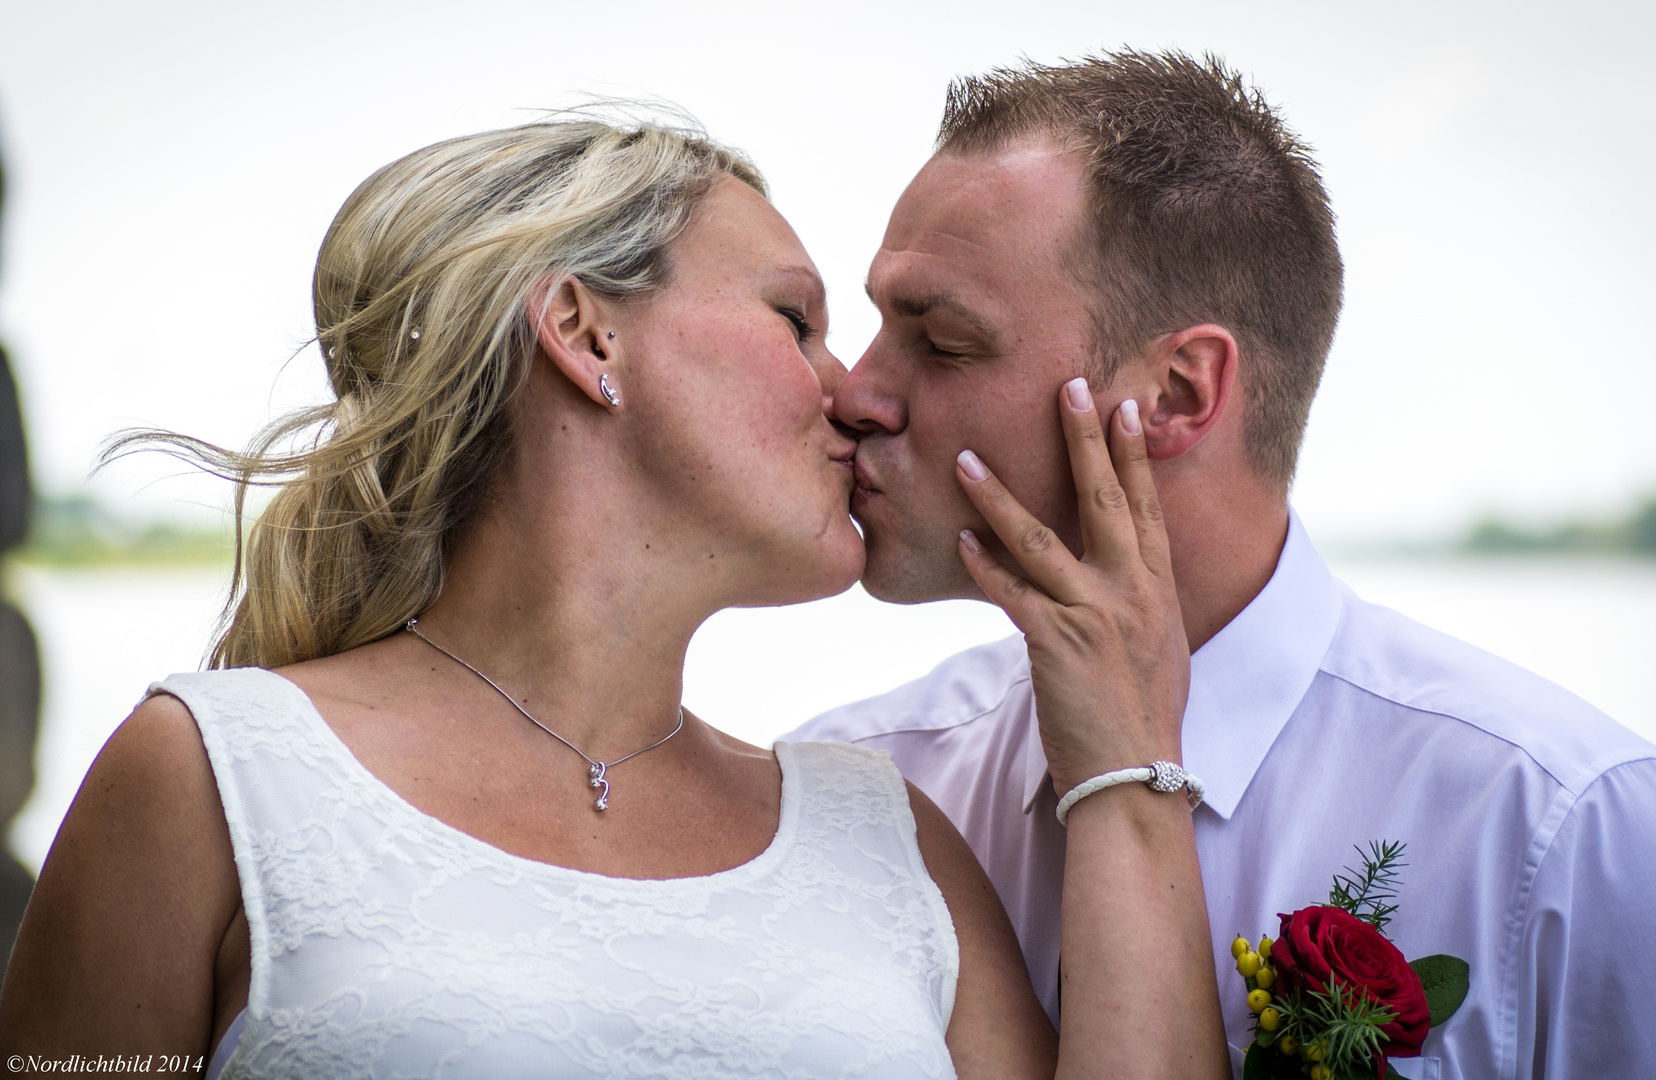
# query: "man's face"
x,y
982,319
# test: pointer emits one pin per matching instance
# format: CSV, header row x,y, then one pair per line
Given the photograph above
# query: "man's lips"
x,y
865,482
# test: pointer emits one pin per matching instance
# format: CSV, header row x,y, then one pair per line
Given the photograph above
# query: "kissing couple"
x,y
436,809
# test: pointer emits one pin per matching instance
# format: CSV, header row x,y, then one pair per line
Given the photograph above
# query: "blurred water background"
x,y
108,631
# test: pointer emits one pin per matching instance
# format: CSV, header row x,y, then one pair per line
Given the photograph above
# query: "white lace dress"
x,y
388,944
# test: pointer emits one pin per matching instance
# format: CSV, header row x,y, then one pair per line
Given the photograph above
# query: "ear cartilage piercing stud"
x,y
608,391
612,335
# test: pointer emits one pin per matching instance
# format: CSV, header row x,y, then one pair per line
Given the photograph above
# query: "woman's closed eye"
x,y
802,328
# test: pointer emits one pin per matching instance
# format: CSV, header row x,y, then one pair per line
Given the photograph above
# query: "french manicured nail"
x,y
969,538
972,467
1080,395
1130,417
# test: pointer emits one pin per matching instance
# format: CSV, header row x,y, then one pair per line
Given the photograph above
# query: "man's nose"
x,y
869,399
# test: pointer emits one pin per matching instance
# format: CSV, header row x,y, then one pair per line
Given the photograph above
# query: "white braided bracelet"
x,y
1160,775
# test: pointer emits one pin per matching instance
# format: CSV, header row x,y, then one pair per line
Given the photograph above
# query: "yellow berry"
x,y
1287,1044
1265,977
1239,946
1318,1072
1265,947
1312,1052
1248,964
1270,1019
1258,999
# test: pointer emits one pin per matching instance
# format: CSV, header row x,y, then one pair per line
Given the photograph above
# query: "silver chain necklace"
x,y
599,770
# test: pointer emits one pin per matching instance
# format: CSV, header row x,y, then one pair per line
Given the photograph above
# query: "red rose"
x,y
1319,943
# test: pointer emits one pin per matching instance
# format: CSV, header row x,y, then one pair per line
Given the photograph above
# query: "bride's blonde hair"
x,y
421,292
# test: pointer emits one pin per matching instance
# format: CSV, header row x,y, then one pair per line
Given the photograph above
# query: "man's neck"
x,y
1225,550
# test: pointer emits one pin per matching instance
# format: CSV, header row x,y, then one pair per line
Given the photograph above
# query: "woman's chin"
x,y
841,563
826,568
852,554
850,571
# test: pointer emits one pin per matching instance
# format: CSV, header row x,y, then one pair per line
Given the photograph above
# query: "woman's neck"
x,y
582,613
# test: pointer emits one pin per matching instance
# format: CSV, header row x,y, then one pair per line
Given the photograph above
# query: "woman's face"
x,y
728,379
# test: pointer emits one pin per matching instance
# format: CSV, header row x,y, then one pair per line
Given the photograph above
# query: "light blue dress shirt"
x,y
1320,722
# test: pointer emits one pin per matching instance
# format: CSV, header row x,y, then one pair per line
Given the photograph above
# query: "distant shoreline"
x,y
1632,535
79,531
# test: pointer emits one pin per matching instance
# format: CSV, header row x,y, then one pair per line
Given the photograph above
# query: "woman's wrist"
x,y
1075,771
1130,810
1162,777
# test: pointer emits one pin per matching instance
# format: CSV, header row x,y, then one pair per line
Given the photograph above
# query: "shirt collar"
x,y
1247,679
1035,762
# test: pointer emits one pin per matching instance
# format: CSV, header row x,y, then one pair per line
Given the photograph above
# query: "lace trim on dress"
x,y
388,943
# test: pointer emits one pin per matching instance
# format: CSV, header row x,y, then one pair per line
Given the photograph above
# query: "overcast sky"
x,y
172,167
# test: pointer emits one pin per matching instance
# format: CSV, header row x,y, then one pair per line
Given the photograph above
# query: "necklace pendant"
x,y
596,772
596,769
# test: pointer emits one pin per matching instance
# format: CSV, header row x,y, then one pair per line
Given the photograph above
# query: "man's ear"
x,y
1194,373
573,326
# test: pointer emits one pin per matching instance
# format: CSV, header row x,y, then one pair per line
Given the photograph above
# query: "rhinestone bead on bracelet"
x,y
1159,775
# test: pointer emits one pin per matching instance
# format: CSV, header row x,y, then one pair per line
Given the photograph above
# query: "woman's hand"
x,y
1111,670
1107,647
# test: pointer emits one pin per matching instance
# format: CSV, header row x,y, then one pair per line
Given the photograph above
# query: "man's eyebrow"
x,y
917,307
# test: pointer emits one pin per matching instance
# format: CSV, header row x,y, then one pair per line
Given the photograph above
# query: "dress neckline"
x,y
760,864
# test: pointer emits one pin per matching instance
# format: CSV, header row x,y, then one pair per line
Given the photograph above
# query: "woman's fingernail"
x,y
1080,395
969,538
972,467
1130,416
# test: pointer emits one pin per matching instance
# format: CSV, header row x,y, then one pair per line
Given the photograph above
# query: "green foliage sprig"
x,y
1343,1024
1369,894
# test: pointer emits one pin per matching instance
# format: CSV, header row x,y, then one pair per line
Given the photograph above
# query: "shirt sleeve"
x,y
1586,976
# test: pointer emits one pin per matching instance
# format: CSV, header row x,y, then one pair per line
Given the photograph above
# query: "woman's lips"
x,y
848,469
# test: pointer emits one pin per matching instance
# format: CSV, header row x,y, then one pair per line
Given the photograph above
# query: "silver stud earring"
x,y
608,391
612,335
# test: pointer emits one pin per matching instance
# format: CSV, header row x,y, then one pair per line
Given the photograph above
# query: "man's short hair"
x,y
1204,206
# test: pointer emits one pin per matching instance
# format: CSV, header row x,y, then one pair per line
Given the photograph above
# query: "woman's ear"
x,y
1195,371
574,328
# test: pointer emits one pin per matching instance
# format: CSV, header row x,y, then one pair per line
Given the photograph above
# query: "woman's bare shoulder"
x,y
948,857
997,1028
156,754
152,775
159,719
134,899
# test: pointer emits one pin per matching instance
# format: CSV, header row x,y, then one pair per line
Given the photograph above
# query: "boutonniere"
x,y
1332,997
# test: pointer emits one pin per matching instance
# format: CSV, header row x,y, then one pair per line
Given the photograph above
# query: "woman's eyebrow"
x,y
800,274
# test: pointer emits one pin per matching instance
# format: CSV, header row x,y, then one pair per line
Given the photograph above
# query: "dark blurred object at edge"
x,y
19,654
19,724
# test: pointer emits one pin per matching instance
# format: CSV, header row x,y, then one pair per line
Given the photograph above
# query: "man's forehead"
x,y
976,220
984,197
